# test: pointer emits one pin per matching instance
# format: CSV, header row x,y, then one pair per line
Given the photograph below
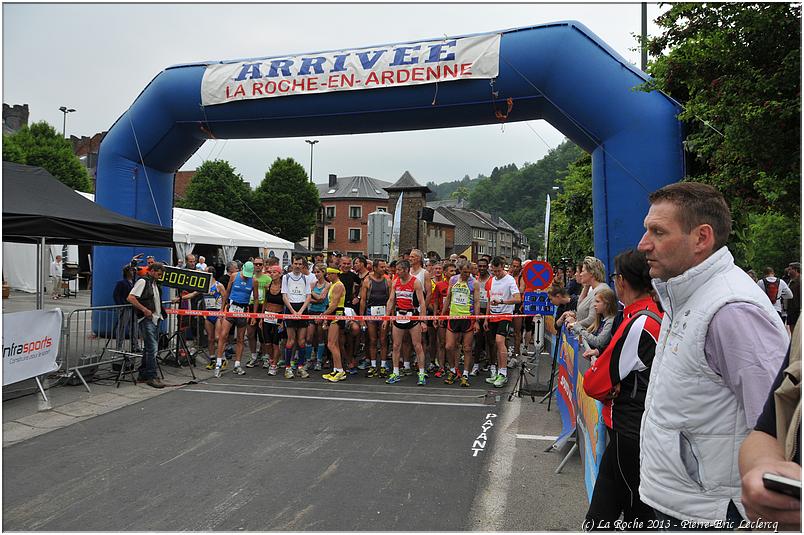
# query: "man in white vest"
x,y
719,348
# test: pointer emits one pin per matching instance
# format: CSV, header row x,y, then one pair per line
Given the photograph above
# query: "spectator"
x,y
752,274
794,304
564,301
125,313
574,285
592,275
55,277
775,288
619,378
598,334
201,265
720,346
774,446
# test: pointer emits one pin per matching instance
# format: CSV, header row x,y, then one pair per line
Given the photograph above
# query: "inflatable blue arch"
x,y
560,72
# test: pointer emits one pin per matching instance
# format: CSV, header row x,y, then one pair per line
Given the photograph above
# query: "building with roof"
x,y
413,221
342,221
440,236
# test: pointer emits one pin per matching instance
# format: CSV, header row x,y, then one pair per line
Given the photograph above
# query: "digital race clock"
x,y
186,279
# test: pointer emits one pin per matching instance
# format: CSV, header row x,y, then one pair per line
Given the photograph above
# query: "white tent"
x,y
190,228
19,264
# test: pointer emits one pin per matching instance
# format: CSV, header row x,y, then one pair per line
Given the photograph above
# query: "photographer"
x,y
146,298
124,316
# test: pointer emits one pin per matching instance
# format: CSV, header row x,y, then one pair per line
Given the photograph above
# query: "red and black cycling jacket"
x,y
626,361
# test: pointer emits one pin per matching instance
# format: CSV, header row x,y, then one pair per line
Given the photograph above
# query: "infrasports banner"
x,y
578,411
30,344
394,249
424,62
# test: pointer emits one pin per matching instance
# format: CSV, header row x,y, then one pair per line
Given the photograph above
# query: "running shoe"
x,y
272,370
266,364
393,378
352,370
492,371
217,373
485,367
372,372
334,377
383,372
491,380
211,365
513,362
475,370
406,371
303,373
422,379
281,362
317,366
464,381
239,370
363,364
500,381
450,379
288,373
252,361
439,372
293,363
432,367
224,364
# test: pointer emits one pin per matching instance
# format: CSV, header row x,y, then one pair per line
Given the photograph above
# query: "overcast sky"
x,y
97,58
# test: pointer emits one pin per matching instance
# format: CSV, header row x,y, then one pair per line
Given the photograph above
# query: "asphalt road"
x,y
258,453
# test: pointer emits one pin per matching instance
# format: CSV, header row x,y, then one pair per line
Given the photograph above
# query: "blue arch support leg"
x,y
560,72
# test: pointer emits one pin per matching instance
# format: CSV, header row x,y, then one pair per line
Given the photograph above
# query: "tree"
x,y
286,201
736,69
773,240
40,145
461,193
571,227
217,188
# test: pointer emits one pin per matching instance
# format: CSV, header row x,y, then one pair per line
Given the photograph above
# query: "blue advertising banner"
x,y
579,411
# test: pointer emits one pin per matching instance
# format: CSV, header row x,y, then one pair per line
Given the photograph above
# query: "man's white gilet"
x,y
693,425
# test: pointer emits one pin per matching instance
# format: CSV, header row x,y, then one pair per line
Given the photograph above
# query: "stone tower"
x,y
412,203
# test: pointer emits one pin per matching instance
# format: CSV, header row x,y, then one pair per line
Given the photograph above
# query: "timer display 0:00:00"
x,y
182,279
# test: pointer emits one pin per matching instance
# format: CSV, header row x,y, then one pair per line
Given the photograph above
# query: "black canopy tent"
x,y
37,208
36,205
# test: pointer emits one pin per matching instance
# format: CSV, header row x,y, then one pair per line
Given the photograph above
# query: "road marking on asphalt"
x,y
488,509
398,386
548,438
327,398
391,391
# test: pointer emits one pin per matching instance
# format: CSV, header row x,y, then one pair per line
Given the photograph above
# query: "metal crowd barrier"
x,y
99,336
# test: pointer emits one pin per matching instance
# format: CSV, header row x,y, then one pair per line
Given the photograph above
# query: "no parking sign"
x,y
538,276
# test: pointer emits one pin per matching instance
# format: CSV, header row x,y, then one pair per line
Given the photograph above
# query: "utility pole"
x,y
311,143
65,110
644,36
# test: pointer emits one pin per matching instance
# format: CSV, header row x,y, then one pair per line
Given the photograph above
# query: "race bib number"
x,y
484,296
377,311
271,321
211,303
347,311
460,298
403,322
235,308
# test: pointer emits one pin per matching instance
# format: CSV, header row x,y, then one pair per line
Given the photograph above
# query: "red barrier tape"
x,y
269,315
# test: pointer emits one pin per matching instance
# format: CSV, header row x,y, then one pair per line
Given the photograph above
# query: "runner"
x,y
503,294
318,304
361,268
213,300
462,294
440,291
417,270
483,339
254,333
374,294
351,329
337,298
239,290
273,303
516,272
406,295
296,295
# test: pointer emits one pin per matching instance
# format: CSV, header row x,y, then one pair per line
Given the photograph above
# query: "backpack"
x,y
772,289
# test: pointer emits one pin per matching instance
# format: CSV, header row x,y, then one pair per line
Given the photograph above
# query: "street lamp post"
x,y
65,110
311,142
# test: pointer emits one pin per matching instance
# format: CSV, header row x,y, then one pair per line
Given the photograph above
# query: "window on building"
x,y
330,234
355,212
381,209
330,212
354,234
